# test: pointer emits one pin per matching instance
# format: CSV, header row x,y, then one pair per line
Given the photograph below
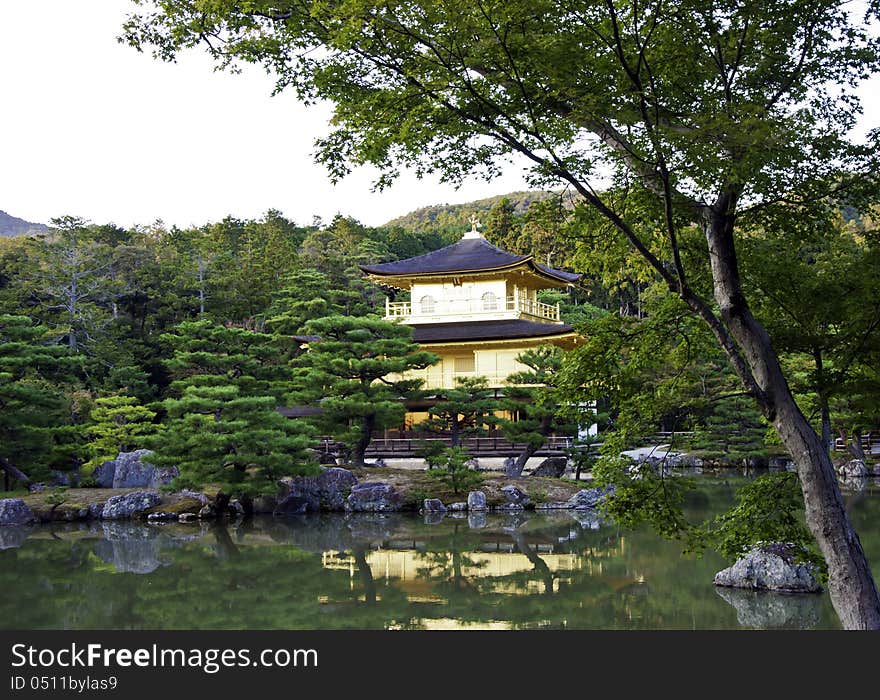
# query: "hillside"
x,y
455,217
13,226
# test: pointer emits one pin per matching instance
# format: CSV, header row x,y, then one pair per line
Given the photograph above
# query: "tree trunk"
x,y
824,410
359,450
851,585
455,433
515,470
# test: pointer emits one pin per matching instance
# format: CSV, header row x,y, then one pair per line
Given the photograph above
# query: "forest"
x,y
187,341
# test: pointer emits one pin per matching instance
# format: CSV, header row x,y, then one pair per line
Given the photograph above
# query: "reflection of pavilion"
x,y
407,567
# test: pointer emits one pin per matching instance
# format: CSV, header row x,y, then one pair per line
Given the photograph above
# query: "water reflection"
x,y
517,570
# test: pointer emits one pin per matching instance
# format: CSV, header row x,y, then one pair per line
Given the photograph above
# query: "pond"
x,y
492,571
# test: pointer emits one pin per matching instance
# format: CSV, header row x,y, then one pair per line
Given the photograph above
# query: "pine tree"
x,y
353,374
223,426
120,424
534,401
34,410
217,435
463,409
502,227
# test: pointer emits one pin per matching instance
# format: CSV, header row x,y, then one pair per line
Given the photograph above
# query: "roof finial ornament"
x,y
475,224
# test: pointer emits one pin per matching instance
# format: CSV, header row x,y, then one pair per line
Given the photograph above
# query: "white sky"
x,y
92,128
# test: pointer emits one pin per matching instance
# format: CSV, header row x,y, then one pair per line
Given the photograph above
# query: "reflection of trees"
x,y
279,579
445,559
540,565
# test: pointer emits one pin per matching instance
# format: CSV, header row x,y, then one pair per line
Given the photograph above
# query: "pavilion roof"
x,y
507,329
469,255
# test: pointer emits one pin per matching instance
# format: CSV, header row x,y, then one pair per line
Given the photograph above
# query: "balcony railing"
x,y
467,307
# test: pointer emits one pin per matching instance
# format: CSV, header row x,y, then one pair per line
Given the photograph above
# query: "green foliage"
x,y
455,471
644,494
534,400
769,509
432,452
353,374
119,424
217,435
35,417
56,497
464,409
223,425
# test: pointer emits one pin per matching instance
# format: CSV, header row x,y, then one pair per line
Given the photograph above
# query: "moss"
x,y
182,505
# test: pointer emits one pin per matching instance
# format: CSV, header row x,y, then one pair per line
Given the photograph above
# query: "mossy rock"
x,y
182,505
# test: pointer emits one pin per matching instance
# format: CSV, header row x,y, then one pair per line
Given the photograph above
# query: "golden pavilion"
x,y
475,305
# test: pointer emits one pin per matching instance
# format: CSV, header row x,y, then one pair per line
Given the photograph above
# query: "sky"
x,y
92,128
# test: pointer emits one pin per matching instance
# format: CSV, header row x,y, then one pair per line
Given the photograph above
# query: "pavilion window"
x,y
490,301
427,304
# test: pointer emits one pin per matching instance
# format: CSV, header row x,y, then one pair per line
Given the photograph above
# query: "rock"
x,y
163,476
296,505
196,495
187,517
161,515
590,498
769,610
326,458
60,478
476,519
129,504
14,511
36,488
476,500
457,507
208,512
96,510
264,504
326,491
509,467
554,505
133,471
373,497
515,496
853,468
434,505
104,474
237,508
553,467
770,566
510,507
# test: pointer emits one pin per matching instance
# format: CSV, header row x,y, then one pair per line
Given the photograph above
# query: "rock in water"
x,y
328,490
14,511
129,504
590,498
770,566
476,501
553,467
373,497
434,505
